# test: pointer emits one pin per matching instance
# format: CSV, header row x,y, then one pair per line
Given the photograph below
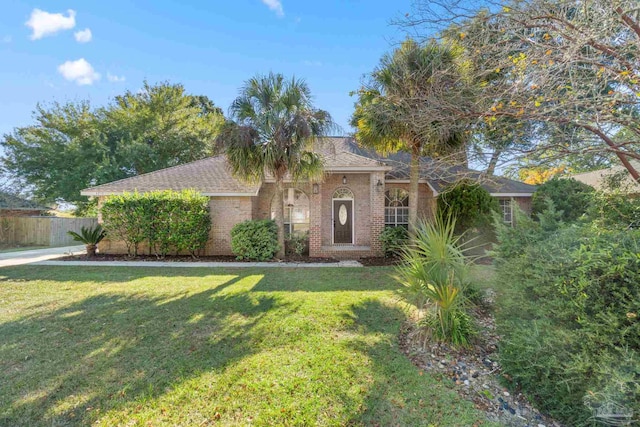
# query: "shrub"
x,y
393,240
433,273
165,220
570,321
257,240
469,203
297,244
614,210
568,195
90,237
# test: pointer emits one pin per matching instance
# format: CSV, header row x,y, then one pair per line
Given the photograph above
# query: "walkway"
x,y
199,264
38,255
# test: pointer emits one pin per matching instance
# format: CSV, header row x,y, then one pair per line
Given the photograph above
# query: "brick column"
x,y
377,212
315,228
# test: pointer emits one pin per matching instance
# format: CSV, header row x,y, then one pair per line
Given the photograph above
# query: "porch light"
x,y
316,188
344,179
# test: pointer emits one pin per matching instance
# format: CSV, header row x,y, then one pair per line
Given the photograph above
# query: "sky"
x,y
53,50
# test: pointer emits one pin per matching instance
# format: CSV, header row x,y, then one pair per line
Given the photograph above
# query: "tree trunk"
x,y
279,213
91,250
493,162
414,179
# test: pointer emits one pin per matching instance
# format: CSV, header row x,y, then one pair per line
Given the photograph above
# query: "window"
x,y
396,208
296,212
507,211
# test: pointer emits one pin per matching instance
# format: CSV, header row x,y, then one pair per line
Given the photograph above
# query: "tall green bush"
x,y
393,240
164,220
257,240
469,203
434,273
570,321
569,196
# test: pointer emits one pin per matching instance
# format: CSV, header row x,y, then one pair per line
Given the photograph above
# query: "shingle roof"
x,y
438,174
12,202
210,176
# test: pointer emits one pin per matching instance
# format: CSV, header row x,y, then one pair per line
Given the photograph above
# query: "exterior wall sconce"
x,y
316,188
379,185
344,179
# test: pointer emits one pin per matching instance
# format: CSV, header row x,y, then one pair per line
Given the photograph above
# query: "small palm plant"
x,y
434,273
90,237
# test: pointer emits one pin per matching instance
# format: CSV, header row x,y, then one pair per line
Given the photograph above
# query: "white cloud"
x,y
45,24
83,36
275,5
79,71
115,79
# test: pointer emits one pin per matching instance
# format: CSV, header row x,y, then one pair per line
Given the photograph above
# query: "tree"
x,y
275,126
73,146
572,65
405,88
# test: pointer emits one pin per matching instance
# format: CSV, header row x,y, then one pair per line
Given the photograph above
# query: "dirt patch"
x,y
187,258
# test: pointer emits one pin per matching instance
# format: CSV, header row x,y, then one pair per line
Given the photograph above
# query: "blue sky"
x,y
209,46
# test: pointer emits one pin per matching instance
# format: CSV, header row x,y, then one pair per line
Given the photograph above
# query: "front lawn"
x,y
148,346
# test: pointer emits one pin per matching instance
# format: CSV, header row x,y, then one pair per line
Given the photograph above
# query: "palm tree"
x,y
273,131
398,111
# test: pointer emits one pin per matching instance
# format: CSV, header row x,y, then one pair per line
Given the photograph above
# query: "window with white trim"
x,y
507,210
396,208
296,212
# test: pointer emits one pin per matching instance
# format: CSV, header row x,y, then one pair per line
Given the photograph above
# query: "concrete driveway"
x,y
28,257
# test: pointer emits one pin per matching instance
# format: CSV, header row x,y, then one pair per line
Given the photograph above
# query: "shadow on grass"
x,y
107,350
275,279
401,394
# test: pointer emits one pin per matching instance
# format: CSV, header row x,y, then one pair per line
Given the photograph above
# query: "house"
x,y
617,175
12,205
343,215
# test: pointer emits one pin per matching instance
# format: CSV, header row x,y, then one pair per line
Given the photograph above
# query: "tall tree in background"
x,y
275,127
397,109
572,65
72,146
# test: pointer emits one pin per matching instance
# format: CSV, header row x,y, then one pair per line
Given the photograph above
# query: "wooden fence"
x,y
41,231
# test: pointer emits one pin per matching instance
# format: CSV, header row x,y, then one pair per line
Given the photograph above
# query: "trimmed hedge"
x,y
568,195
165,220
257,240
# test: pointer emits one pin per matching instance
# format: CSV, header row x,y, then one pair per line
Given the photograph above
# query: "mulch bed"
x,y
187,258
379,261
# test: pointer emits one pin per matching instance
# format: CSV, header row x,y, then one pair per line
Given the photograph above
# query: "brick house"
x,y
343,215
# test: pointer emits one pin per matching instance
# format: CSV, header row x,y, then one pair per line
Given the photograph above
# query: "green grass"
x,y
144,346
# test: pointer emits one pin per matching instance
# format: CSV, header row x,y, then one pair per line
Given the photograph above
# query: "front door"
x,y
343,221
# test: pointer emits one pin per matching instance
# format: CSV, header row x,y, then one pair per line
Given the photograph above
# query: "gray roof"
x,y
212,176
10,201
438,174
209,176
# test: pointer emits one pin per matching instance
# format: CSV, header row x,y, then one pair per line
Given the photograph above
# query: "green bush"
x,y
257,240
297,244
614,210
434,273
469,203
568,195
165,220
393,240
570,320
